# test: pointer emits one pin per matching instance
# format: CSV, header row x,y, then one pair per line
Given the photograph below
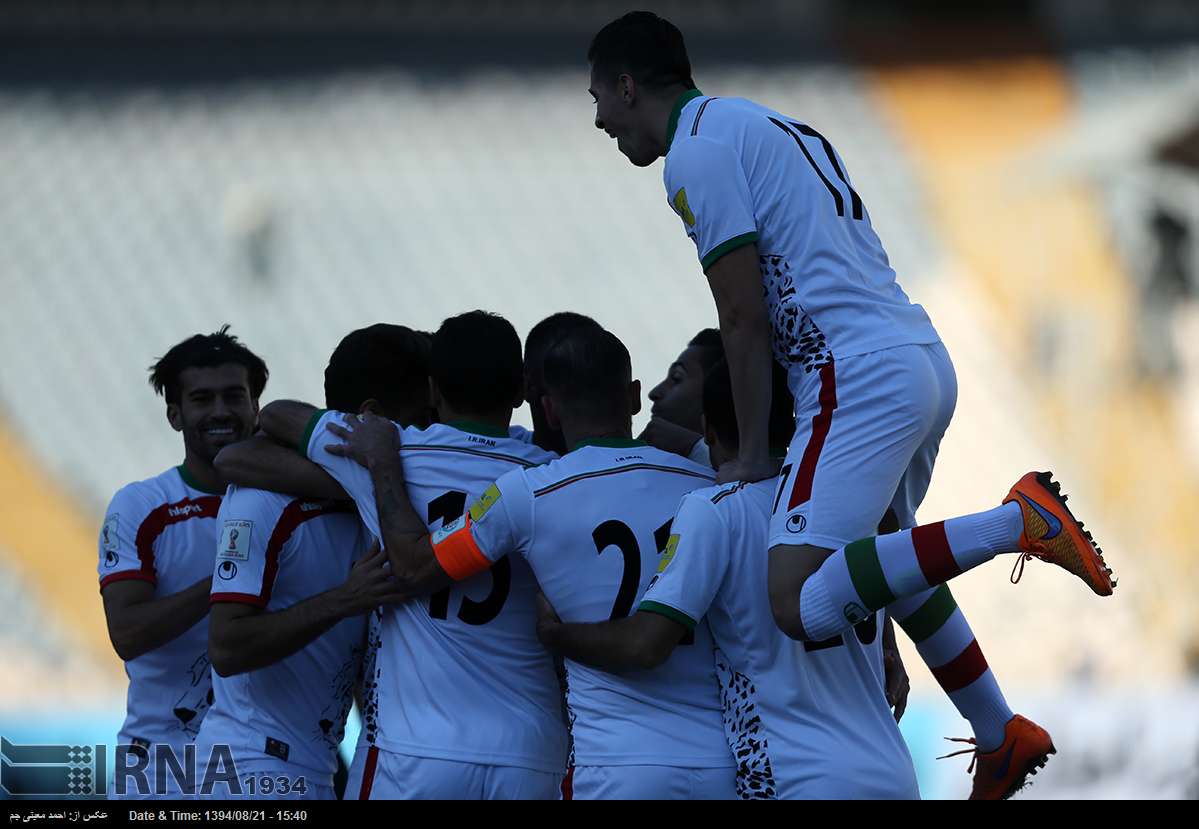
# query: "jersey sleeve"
x,y
499,523
245,565
353,476
706,187
692,568
126,549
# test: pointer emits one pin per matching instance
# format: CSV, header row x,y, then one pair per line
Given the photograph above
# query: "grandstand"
x,y
297,202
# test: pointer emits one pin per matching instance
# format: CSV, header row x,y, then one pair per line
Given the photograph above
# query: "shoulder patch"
x,y
235,540
479,508
682,208
109,537
672,545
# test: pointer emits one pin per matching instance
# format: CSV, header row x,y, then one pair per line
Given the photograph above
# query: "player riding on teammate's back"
x,y
796,269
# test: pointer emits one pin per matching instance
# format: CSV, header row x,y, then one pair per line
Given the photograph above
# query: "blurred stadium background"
x,y
299,168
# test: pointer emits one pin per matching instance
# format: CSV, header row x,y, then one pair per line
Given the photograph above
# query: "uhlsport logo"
x,y
184,510
797,523
854,613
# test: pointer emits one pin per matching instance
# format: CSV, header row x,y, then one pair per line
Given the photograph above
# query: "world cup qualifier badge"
x,y
235,540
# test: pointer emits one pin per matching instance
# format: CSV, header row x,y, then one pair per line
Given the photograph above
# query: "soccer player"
x,y
592,526
156,556
468,706
675,416
795,267
803,721
539,339
287,627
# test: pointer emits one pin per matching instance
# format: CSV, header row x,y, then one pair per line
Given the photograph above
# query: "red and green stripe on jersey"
x,y
293,515
153,526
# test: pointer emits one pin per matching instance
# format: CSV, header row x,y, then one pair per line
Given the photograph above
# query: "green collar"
x,y
477,428
609,443
192,482
673,123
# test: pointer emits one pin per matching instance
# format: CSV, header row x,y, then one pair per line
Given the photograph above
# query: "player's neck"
x,y
487,423
576,433
199,474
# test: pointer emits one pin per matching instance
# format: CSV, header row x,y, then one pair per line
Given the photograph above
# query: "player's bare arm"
x,y
644,640
736,283
286,420
264,463
669,437
139,623
374,442
243,637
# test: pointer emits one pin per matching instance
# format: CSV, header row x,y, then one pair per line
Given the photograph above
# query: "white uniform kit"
x,y
738,173
162,531
460,677
592,525
804,720
283,723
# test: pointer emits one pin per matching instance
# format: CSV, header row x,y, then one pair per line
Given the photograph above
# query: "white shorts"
x,y
866,437
383,775
653,783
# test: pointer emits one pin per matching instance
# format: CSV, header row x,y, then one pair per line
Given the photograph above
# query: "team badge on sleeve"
x,y
235,540
479,508
672,545
682,208
109,539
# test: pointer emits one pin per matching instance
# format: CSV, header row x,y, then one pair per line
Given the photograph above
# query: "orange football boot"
x,y
1001,773
1052,533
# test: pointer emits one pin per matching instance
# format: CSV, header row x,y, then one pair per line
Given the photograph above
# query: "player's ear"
x,y
635,398
627,89
175,416
551,413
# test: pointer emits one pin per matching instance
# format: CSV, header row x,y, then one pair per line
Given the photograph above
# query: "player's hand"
x,y
748,471
369,585
368,438
895,680
547,620
669,437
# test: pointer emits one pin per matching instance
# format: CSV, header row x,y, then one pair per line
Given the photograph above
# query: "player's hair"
x,y
645,46
388,363
721,414
206,351
476,363
543,335
588,371
710,346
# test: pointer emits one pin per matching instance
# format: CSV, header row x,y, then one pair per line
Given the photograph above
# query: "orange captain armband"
x,y
456,551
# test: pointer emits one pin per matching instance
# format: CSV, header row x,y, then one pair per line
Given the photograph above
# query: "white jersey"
x,y
459,675
737,172
163,531
275,551
804,720
593,525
